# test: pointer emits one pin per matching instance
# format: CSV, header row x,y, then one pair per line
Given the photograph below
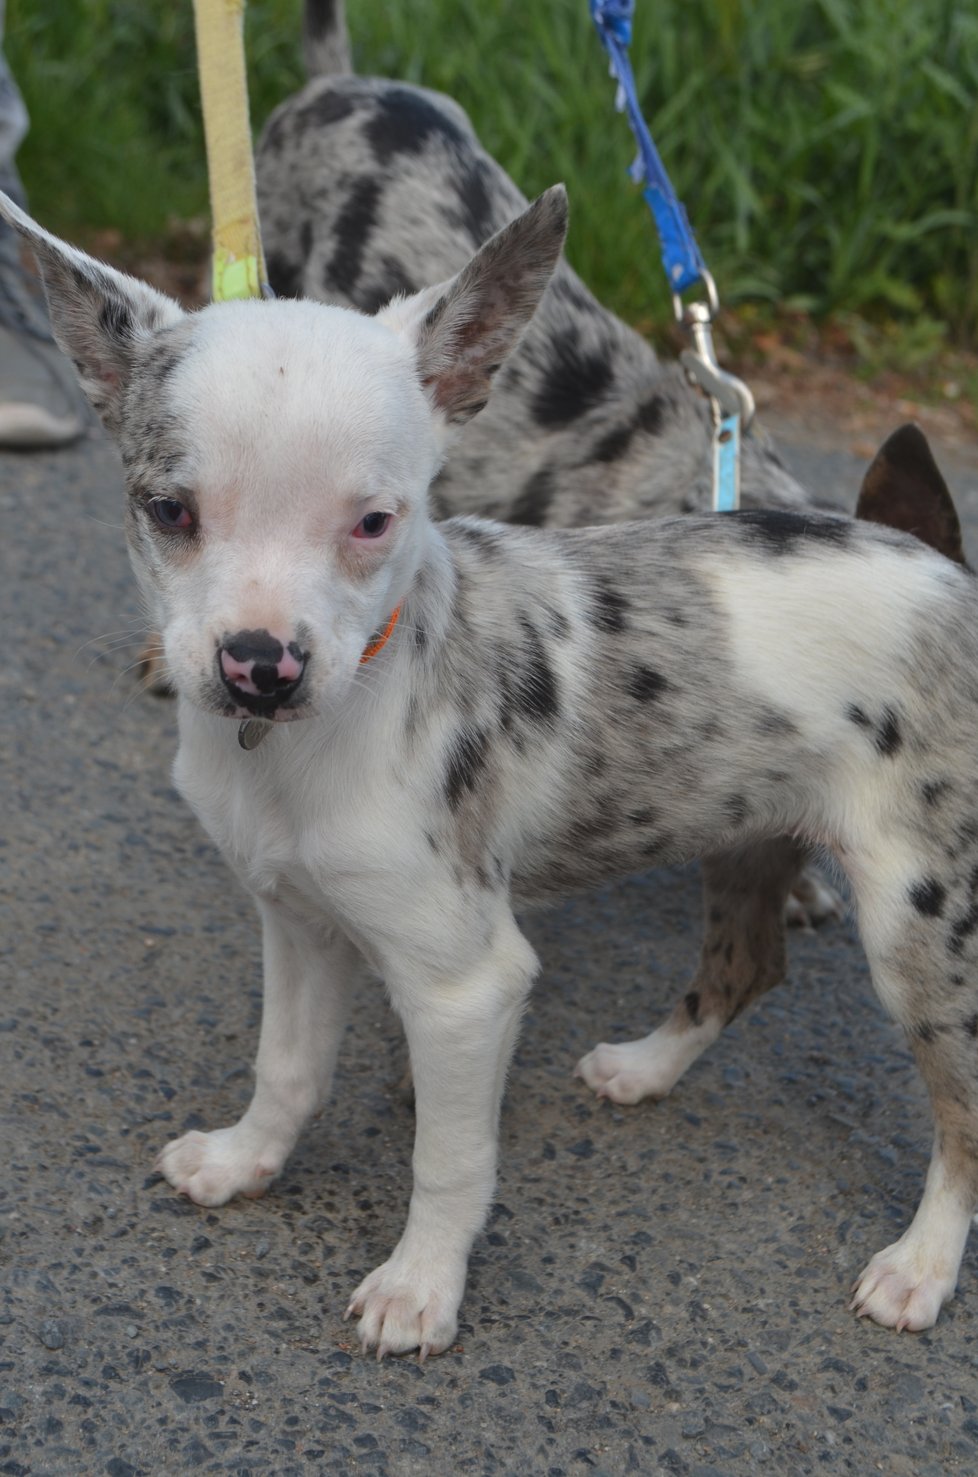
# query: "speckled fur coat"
x,y
543,710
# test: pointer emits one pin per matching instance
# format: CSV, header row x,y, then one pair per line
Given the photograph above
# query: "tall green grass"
x,y
826,150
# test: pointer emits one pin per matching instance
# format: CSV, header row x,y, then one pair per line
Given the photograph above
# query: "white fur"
x,y
293,421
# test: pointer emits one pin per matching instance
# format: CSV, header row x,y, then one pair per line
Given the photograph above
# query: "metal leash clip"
x,y
731,402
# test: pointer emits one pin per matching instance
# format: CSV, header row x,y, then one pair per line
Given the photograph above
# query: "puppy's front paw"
x,y
406,1305
630,1071
212,1167
902,1288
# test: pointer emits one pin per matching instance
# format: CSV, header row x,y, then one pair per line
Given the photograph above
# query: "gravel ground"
x,y
661,1289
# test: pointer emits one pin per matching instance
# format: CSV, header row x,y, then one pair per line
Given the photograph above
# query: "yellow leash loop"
x,y
239,263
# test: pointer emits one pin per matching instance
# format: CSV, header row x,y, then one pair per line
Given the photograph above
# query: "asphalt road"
x,y
661,1289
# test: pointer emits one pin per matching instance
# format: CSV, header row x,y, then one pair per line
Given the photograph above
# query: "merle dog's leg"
x,y
461,1033
309,976
919,933
743,955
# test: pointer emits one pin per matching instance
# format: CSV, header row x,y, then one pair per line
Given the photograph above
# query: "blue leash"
x,y
731,402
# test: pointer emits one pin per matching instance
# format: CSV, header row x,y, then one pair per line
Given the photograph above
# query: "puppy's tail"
x,y
904,489
325,42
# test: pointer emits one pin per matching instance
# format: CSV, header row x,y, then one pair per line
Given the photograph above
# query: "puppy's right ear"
x,y
463,329
98,315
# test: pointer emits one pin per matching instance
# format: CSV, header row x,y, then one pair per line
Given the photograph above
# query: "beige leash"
x,y
239,263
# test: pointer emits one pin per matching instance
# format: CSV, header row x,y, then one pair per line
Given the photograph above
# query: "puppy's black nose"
x,y
260,670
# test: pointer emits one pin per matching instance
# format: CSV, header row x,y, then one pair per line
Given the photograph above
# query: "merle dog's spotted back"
x,y
369,188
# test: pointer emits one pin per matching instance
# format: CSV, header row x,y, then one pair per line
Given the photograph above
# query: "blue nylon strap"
x,y
726,465
680,254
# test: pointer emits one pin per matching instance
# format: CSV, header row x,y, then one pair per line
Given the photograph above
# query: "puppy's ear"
x,y
464,328
98,314
904,489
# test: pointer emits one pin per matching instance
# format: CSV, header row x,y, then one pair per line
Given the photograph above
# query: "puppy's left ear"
x,y
98,314
465,328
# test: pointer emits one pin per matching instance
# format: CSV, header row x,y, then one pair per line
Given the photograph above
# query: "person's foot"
x,y
40,405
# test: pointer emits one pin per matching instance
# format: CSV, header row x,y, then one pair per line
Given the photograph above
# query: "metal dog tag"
x,y
251,732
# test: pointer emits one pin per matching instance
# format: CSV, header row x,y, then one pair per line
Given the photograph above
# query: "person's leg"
x,y
39,402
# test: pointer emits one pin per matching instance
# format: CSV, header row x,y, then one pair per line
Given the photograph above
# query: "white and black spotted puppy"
x,y
461,716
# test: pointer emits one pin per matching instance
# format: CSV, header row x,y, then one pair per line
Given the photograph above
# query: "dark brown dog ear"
x,y
904,489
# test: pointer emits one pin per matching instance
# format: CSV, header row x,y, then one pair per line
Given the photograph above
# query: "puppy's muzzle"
x,y
260,671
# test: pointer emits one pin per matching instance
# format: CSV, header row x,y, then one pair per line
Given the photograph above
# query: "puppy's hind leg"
x,y
743,955
309,978
920,942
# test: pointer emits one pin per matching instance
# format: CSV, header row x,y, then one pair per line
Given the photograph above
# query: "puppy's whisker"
x,y
123,635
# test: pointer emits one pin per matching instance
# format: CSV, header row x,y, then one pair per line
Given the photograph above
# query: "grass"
x,y
826,150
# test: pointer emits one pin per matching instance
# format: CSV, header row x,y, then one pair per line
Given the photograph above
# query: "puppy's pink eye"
x,y
172,515
372,526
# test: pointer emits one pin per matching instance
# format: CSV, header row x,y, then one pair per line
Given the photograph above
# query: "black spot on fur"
x,y
557,621
531,691
354,226
648,419
658,848
284,276
393,281
644,817
614,445
396,278
484,539
319,18
651,415
923,1032
888,736
466,761
962,928
971,1025
780,532
476,202
327,107
404,122
692,1004
576,381
772,721
115,319
933,790
645,684
533,500
608,608
928,897
737,809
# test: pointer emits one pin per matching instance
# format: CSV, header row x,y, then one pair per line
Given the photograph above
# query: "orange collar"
x,y
381,641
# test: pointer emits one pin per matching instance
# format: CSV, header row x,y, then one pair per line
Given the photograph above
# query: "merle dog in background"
x,y
368,188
